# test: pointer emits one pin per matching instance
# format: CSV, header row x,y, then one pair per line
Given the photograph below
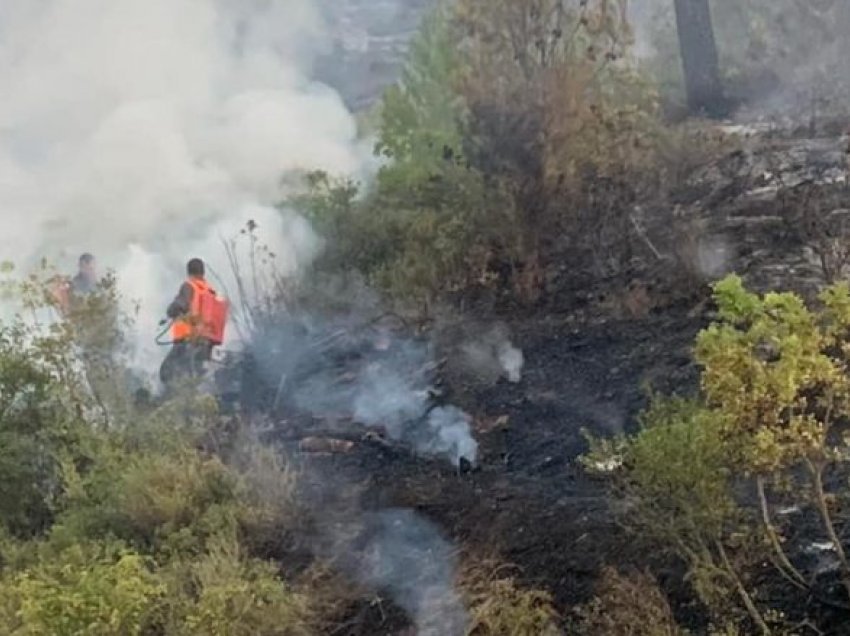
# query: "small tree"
x,y
562,121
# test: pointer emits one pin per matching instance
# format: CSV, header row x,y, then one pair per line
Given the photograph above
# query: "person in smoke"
x,y
85,281
66,290
89,306
189,350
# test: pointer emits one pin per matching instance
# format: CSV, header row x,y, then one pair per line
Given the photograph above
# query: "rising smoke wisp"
x,y
398,551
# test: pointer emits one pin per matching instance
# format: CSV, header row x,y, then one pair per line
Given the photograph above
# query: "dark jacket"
x,y
182,303
82,285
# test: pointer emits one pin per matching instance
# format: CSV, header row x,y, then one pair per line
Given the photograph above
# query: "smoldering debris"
x,y
382,396
487,353
370,376
511,360
398,552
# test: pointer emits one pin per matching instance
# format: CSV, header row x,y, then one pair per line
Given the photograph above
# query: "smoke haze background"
x,y
146,130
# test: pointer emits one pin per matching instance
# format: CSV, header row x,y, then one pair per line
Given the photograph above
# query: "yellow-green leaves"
x,y
700,473
84,590
769,366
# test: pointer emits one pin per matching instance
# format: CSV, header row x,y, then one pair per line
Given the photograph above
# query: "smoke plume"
x,y
400,552
380,378
145,130
490,354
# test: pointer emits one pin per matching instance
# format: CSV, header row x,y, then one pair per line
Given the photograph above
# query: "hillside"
x,y
513,342
588,361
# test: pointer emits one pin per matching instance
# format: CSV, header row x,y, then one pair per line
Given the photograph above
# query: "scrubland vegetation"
x,y
526,153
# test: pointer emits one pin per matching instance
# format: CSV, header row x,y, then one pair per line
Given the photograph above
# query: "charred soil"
x,y
527,500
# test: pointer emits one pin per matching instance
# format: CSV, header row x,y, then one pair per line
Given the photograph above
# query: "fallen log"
x,y
325,445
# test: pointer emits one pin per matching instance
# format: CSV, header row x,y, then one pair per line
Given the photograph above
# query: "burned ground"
x,y
527,500
589,364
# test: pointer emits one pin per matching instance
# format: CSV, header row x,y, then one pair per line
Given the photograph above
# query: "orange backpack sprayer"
x,y
213,311
207,316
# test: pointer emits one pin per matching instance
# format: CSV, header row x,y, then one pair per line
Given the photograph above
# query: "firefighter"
x,y
85,282
192,342
66,289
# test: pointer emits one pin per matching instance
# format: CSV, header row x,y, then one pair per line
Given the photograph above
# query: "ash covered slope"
x,y
529,500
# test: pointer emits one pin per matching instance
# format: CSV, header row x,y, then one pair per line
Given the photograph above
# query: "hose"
x,y
162,333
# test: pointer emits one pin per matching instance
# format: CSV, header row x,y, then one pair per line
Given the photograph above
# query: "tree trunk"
x,y
843,21
699,58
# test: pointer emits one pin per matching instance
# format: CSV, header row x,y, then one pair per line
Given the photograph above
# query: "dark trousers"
x,y
185,360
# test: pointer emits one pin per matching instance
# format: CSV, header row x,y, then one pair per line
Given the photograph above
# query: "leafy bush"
x,y
235,596
426,224
677,484
270,514
41,425
186,494
518,141
770,423
93,590
114,521
106,589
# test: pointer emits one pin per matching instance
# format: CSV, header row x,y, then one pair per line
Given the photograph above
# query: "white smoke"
x,y
400,552
490,354
384,397
144,130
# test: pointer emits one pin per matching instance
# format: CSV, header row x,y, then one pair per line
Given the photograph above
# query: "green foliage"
x,y
422,117
91,588
514,140
128,528
770,365
237,596
41,425
427,225
83,590
172,501
771,416
678,463
676,477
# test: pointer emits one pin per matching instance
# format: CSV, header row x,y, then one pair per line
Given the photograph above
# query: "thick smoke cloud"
x,y
144,130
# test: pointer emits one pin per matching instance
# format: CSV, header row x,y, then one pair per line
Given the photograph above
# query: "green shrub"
x,y
676,481
171,502
430,220
516,142
271,514
164,494
41,425
234,596
91,590
775,402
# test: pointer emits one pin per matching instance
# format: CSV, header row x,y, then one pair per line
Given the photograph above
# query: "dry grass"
x,y
500,606
628,604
